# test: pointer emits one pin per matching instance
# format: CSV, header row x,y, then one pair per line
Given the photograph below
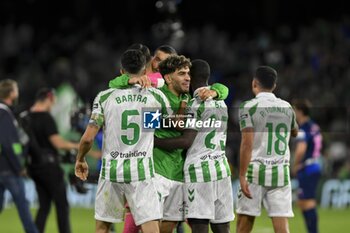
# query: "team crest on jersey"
x,y
151,119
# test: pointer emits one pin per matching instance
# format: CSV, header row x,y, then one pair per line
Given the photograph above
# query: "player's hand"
x,y
143,81
245,187
81,169
206,94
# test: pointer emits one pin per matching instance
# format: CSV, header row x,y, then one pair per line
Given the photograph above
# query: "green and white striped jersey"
x,y
272,119
127,148
206,159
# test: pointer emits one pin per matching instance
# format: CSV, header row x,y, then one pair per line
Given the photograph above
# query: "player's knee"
x,y
102,227
167,226
244,223
150,227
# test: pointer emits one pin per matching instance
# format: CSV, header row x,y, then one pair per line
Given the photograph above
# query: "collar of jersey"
x,y
168,93
265,94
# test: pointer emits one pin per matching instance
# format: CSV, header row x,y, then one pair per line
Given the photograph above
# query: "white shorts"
x,y
142,198
171,196
210,200
277,201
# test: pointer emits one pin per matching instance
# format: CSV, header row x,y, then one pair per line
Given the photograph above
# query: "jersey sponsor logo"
x,y
151,119
270,161
130,154
212,157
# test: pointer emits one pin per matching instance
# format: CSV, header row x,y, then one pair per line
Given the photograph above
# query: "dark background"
x,y
49,42
227,15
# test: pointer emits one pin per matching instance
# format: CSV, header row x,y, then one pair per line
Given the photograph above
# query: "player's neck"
x,y
262,91
40,107
7,101
149,70
172,90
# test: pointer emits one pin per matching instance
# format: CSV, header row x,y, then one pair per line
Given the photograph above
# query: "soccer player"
x,y
169,164
160,54
208,189
266,122
127,165
306,164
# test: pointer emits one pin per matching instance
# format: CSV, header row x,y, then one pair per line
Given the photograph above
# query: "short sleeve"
x,y
120,82
221,90
50,126
245,120
97,116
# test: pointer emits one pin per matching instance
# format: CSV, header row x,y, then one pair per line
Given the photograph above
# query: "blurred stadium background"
x,y
74,46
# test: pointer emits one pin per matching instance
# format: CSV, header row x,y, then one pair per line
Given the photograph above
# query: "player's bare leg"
x,y
220,227
167,226
199,225
245,223
150,227
307,204
102,227
280,224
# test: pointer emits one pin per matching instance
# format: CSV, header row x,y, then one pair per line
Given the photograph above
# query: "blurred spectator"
x,y
11,155
311,59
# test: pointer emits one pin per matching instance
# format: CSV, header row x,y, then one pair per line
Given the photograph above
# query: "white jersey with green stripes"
x,y
127,148
206,159
272,119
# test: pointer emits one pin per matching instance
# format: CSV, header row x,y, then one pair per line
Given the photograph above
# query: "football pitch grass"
x,y
82,221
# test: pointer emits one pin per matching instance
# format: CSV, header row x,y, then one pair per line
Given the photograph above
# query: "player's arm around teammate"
x,y
127,166
208,192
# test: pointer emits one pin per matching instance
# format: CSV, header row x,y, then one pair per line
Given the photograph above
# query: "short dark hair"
x,y
44,93
144,49
303,105
267,76
6,87
172,63
133,61
167,49
200,71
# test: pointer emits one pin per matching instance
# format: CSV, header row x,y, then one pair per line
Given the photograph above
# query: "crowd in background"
x,y
313,61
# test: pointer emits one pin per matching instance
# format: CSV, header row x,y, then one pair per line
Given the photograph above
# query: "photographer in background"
x,y
44,163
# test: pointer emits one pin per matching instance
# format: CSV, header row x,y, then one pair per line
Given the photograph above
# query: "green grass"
x,y
82,221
